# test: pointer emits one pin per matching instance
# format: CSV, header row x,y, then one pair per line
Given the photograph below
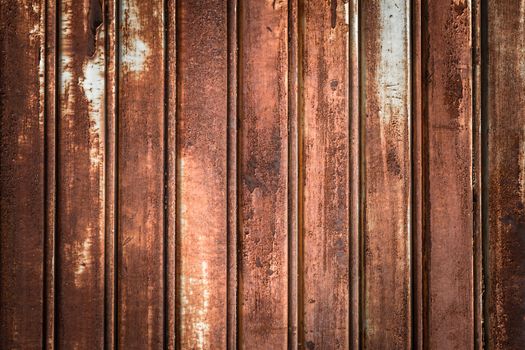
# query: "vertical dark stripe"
x,y
116,232
425,205
416,233
56,234
300,174
231,177
477,175
362,171
165,166
238,99
485,174
292,172
354,95
178,257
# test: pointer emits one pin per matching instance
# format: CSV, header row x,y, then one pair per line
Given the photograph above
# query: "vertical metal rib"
x,y
50,82
231,294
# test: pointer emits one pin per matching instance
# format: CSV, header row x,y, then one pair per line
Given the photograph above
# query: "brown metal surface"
x,y
22,174
506,145
80,174
202,159
385,144
448,150
325,175
263,168
141,123
335,174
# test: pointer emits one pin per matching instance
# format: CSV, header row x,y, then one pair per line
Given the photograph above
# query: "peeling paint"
x,y
196,304
135,56
93,86
347,12
83,260
393,61
135,51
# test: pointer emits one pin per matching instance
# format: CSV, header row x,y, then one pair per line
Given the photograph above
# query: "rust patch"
x,y
386,207
22,179
333,13
263,168
80,173
202,136
506,166
325,194
141,166
449,144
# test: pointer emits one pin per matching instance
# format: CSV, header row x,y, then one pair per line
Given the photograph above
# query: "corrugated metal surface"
x,y
334,174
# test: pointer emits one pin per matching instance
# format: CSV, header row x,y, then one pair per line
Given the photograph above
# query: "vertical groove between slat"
x,y
116,206
417,210
484,125
110,159
300,175
170,173
51,20
177,180
355,183
477,175
425,239
292,173
231,179
362,172
410,212
238,100
56,233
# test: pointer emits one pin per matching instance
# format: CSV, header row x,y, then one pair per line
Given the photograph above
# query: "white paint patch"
x,y
347,13
84,257
135,55
195,303
41,78
35,31
201,326
393,61
66,74
92,84
135,51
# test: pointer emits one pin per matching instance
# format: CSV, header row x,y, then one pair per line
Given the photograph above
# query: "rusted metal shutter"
x,y
262,174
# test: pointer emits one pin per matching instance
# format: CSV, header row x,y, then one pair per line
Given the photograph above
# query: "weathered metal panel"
x,y
299,174
140,174
386,158
448,150
505,106
80,176
263,169
202,138
325,175
22,174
